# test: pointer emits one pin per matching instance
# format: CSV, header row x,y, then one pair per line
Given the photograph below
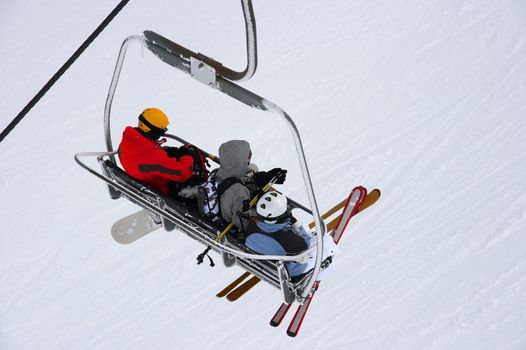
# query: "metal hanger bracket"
x,y
203,72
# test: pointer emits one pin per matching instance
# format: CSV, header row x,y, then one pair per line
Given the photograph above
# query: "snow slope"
x,y
423,99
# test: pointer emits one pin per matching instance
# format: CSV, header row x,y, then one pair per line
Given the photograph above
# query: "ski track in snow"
x,y
422,99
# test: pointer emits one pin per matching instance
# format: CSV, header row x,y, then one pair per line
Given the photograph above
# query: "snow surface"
x,y
422,99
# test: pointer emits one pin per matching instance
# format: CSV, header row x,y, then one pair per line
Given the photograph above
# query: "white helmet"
x,y
271,205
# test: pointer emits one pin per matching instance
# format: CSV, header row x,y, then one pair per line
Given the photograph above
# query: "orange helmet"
x,y
153,122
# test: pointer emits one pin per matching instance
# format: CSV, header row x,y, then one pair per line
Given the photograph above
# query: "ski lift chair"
x,y
173,215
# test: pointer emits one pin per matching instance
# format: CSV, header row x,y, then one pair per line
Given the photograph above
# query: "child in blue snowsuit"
x,y
275,234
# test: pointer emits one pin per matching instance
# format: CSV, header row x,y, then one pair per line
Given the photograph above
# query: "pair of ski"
x,y
235,291
357,201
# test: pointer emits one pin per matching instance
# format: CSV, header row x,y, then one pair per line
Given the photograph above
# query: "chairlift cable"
x,y
62,70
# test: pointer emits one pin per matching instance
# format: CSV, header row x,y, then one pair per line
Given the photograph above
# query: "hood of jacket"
x,y
235,156
134,143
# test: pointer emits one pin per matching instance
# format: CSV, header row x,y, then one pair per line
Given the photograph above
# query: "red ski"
x,y
357,201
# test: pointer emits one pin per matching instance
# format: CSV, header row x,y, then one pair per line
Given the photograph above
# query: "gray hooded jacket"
x,y
235,158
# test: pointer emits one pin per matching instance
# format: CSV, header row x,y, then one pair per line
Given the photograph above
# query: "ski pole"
x,y
253,202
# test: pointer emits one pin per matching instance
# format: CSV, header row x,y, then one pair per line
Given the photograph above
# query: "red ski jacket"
x,y
145,160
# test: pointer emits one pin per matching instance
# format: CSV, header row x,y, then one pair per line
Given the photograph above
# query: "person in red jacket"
x,y
143,157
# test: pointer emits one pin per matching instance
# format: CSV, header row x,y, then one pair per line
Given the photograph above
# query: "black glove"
x,y
175,152
172,152
246,205
186,150
293,220
263,177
